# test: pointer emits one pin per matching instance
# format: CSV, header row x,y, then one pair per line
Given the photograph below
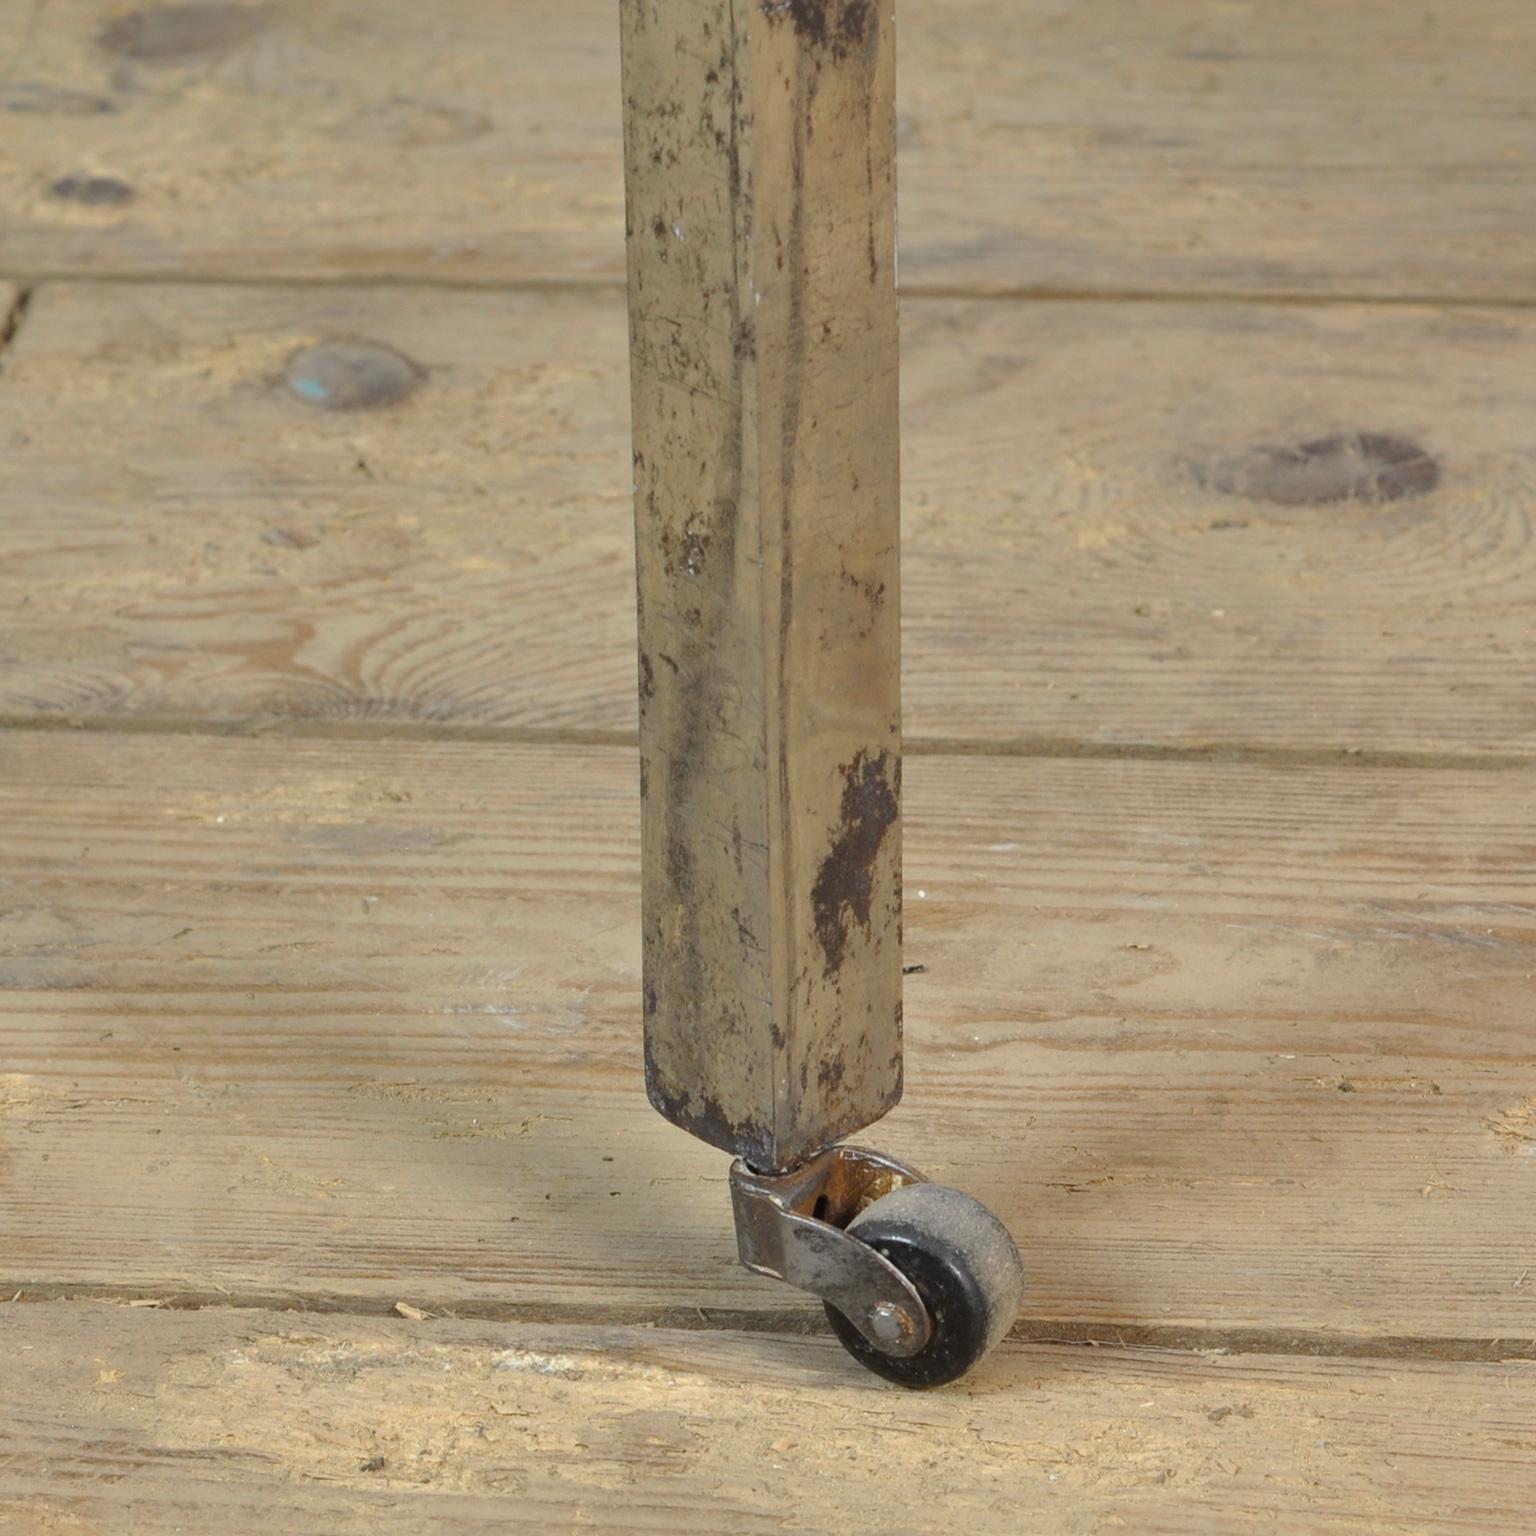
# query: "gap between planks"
x,y
789,1322
1008,293
1049,748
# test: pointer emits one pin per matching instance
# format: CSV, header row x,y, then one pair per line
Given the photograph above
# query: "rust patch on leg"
x,y
845,882
841,24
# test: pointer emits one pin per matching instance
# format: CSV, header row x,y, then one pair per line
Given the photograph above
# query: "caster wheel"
x,y
964,1265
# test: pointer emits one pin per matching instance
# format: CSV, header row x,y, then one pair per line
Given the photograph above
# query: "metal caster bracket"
x,y
792,1226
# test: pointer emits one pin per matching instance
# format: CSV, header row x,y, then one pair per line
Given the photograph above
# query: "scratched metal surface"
x,y
760,163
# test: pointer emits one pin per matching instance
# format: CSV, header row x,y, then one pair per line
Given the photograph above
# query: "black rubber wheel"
x,y
964,1265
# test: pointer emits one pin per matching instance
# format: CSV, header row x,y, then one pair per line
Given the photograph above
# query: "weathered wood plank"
x,y
1227,1047
121,1419
1113,533
1371,149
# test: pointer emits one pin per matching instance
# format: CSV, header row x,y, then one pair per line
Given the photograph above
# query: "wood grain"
x,y
1094,549
130,1420
340,1023
1194,145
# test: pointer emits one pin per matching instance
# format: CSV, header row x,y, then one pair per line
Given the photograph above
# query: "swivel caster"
x,y
919,1281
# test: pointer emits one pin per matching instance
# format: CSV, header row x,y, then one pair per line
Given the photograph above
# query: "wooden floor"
x,y
329,1195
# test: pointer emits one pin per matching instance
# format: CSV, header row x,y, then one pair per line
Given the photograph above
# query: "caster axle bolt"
x,y
890,1324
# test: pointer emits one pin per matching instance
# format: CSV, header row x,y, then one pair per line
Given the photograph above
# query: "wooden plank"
x,y
759,152
225,1420
1112,536
1227,1047
1194,145
320,563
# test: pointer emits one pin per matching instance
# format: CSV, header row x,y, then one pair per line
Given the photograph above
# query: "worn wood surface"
x,y
759,157
132,1420
1114,532
1228,1047
1195,145
1241,1049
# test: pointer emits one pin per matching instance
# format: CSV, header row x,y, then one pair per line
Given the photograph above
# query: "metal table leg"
x,y
760,163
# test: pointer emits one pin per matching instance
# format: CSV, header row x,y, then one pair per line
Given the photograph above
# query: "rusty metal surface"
x,y
791,1227
759,145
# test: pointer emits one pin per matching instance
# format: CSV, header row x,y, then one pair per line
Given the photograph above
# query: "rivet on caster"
x,y
919,1281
